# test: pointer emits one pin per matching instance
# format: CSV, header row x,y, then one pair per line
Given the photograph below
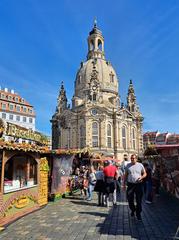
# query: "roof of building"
x,y
14,96
150,133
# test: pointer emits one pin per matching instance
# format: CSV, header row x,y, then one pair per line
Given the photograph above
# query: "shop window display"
x,y
20,172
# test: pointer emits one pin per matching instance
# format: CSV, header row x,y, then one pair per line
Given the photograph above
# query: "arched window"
x,y
109,136
124,137
100,45
133,138
82,136
111,75
91,45
95,134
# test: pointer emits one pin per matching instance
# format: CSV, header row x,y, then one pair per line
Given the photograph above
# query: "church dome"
x,y
96,70
106,75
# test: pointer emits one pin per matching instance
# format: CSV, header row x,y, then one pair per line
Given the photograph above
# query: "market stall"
x,y
169,167
63,163
23,172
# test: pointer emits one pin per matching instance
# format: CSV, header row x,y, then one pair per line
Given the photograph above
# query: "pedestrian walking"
x,y
100,186
110,173
118,178
134,175
91,183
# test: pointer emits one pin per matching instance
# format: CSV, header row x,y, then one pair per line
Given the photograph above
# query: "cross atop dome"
x,y
95,22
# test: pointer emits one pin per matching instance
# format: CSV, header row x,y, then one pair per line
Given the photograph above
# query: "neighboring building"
x,y
16,110
172,139
161,138
169,160
157,138
97,119
149,139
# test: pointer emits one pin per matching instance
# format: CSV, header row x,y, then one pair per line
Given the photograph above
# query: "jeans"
x,y
90,191
135,190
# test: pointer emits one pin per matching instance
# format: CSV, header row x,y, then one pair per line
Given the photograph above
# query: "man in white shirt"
x,y
134,175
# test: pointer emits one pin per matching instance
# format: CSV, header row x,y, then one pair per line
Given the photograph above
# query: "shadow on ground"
x,y
160,220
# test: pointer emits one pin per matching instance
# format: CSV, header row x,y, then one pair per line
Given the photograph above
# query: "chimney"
x,y
6,89
12,91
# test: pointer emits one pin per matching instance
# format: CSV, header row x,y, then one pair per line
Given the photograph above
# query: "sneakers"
x,y
149,202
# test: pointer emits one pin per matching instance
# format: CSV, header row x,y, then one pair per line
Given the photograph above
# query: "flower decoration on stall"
x,y
44,164
2,126
23,146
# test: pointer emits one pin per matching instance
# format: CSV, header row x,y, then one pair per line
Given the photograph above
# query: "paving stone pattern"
x,y
73,218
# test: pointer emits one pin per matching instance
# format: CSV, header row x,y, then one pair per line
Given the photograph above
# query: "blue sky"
x,y
42,42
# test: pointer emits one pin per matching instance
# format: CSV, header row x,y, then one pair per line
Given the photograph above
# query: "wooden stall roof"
x,y
40,149
68,151
23,147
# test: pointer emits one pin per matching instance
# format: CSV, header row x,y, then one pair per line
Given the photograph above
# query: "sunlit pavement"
x,y
73,218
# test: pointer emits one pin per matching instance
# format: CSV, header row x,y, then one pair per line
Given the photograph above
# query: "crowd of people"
x,y
109,178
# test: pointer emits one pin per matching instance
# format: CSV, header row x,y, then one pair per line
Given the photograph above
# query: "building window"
x,y
100,45
124,137
82,136
95,133
18,108
4,115
94,97
11,117
3,106
11,107
30,110
20,172
16,99
24,109
10,98
2,96
22,100
109,135
132,108
24,119
133,139
18,118
30,120
111,75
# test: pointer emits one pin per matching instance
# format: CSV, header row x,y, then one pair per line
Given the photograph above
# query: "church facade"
x,y
97,119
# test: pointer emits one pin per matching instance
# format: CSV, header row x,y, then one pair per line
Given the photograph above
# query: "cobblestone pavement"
x,y
73,218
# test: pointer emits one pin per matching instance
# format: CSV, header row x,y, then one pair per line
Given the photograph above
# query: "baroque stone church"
x,y
97,119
